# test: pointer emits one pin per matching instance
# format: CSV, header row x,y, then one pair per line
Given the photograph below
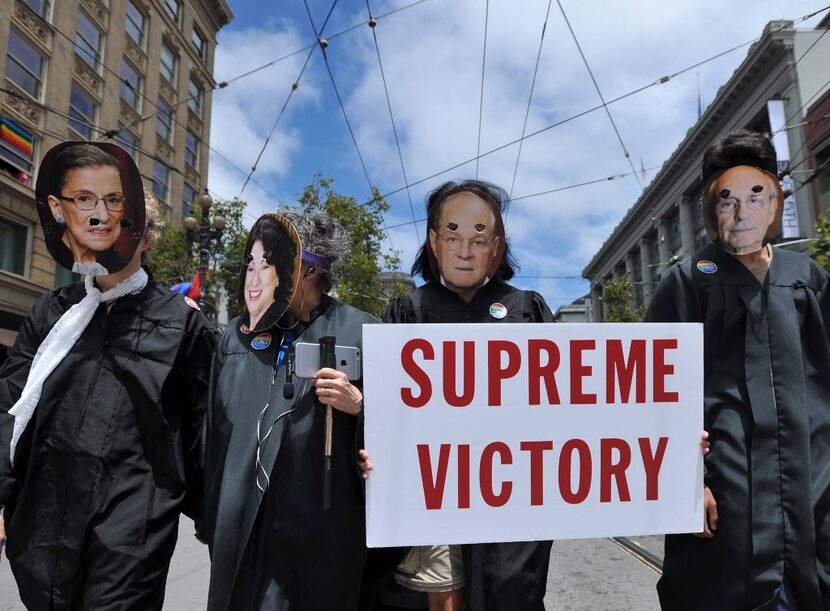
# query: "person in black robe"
x,y
466,262
113,452
765,315
273,544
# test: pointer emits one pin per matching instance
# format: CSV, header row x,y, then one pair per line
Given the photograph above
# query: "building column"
x,y
615,274
629,266
645,270
687,226
663,246
596,303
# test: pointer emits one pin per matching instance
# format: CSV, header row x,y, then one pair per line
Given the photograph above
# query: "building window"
x,y
88,41
130,84
187,198
17,151
82,111
14,239
24,65
127,140
198,43
161,180
41,7
168,64
174,9
164,120
194,101
64,277
191,149
135,24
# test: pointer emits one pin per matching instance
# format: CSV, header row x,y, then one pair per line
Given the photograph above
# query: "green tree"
x,y
821,243
358,282
170,264
168,259
226,268
618,295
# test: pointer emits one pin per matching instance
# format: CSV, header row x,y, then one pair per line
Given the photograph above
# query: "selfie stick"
x,y
327,359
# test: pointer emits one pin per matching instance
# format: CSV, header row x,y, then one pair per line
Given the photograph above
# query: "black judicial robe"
x,y
112,454
767,409
498,575
281,550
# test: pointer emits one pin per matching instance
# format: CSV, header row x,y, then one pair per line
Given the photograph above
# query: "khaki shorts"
x,y
432,568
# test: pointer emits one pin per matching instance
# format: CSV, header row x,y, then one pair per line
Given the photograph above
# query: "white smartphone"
x,y
307,360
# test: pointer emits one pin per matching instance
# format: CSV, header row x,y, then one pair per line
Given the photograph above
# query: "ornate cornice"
x,y
191,175
90,79
98,11
34,25
22,106
164,149
136,55
167,91
128,114
194,123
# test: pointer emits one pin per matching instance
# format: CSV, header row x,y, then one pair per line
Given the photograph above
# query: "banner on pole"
x,y
493,432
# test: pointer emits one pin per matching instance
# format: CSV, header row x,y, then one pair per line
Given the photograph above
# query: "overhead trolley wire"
x,y
660,81
323,44
530,98
373,25
225,83
481,97
599,93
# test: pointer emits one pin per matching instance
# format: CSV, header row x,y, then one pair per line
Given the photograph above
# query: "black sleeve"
x,y
674,300
196,356
212,474
13,376
539,310
397,310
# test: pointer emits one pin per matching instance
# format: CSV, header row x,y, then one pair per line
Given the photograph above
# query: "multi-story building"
x,y
135,72
783,81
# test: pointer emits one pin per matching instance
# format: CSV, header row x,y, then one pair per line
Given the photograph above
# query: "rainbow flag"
x,y
18,137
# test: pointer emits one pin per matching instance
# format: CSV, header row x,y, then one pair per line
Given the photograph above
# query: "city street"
x,y
585,574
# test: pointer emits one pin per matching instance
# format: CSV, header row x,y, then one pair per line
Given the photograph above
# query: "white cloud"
x,y
432,56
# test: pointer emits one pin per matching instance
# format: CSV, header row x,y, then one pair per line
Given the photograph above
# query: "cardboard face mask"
x,y
90,199
270,272
743,207
466,241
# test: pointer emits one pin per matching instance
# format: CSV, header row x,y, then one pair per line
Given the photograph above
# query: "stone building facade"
x,y
135,72
782,78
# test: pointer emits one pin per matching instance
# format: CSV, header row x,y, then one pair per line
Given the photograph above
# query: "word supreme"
x,y
625,371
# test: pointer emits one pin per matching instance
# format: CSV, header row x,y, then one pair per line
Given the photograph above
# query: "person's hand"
x,y
704,443
710,515
364,464
333,388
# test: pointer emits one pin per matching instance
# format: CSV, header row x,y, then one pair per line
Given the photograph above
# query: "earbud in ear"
x,y
310,270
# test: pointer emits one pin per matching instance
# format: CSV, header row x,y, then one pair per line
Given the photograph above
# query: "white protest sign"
x,y
494,432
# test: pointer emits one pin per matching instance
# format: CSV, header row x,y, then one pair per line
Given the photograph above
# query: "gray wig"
x,y
323,236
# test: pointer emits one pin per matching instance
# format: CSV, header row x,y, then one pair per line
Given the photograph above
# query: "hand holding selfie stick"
x,y
327,359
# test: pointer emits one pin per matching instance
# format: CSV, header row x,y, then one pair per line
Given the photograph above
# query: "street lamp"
x,y
203,233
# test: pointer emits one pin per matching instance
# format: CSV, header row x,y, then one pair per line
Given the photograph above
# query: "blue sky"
x,y
432,59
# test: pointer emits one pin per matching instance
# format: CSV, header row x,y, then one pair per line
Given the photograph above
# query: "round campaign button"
x,y
244,328
261,341
498,311
707,267
191,303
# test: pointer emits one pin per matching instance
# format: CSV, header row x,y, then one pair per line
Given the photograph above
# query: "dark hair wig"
x,y
495,196
739,148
